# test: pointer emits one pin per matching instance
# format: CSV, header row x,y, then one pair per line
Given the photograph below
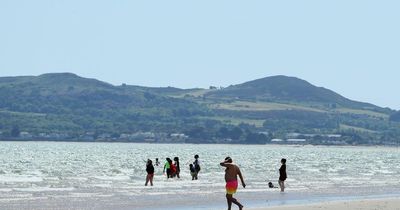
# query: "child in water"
x,y
282,175
150,172
193,172
157,162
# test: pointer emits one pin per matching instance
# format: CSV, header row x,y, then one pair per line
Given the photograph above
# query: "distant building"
x,y
104,136
277,140
296,140
333,135
293,135
179,135
149,140
25,135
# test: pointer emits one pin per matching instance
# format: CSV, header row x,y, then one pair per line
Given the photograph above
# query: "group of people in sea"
x,y
172,169
232,172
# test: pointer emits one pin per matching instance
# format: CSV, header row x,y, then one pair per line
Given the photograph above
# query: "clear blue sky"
x,y
349,46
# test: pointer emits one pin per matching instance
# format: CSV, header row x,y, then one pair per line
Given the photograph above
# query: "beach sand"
x,y
378,204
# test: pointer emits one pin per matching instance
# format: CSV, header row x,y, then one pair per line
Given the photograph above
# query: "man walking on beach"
x,y
231,173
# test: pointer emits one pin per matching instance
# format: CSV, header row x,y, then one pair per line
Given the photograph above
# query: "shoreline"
x,y
390,203
172,143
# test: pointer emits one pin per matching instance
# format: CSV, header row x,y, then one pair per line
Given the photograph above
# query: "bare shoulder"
x,y
237,168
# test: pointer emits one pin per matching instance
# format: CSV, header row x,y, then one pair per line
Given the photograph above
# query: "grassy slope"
x,y
260,98
206,96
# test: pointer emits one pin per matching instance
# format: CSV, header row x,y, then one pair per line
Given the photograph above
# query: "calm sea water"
x,y
56,175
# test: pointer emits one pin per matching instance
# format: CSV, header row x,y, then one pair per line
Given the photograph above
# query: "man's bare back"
x,y
231,172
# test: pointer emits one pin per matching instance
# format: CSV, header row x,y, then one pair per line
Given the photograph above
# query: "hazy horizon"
x,y
351,48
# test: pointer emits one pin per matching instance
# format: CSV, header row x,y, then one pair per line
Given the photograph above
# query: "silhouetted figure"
x,y
282,175
178,168
193,172
150,172
196,165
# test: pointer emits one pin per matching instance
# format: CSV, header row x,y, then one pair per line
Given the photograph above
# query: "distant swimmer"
x,y
150,172
282,175
157,162
270,185
232,171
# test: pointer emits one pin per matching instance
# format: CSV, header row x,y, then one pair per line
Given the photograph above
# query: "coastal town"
x,y
177,138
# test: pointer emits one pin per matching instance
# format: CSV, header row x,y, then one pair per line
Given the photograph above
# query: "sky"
x,y
351,47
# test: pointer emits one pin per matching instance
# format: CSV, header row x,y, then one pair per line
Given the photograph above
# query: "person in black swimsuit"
x,y
282,175
150,172
196,165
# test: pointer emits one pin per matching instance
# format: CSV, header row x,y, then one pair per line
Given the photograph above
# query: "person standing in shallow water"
x,y
196,165
167,168
193,172
282,175
178,167
172,169
232,171
150,172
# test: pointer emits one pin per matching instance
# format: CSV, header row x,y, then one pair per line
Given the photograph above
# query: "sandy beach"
x,y
374,204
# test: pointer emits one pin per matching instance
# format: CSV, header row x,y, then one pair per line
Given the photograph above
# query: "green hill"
x,y
75,108
288,90
69,103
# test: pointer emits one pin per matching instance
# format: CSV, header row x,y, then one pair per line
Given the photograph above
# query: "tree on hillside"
x,y
395,117
236,133
15,131
256,138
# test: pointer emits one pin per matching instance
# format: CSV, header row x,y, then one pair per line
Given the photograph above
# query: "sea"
x,y
72,175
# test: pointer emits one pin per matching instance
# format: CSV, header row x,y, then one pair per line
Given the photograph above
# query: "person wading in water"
x,y
232,171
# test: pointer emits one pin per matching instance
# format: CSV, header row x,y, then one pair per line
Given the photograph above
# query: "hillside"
x,y
288,90
69,103
70,107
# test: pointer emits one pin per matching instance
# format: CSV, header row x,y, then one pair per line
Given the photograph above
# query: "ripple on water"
x,y
95,169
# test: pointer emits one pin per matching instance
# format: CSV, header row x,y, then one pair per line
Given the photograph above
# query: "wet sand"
x,y
375,204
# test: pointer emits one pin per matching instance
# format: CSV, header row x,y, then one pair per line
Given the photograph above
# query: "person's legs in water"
x,y
282,185
151,179
169,173
147,179
230,199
